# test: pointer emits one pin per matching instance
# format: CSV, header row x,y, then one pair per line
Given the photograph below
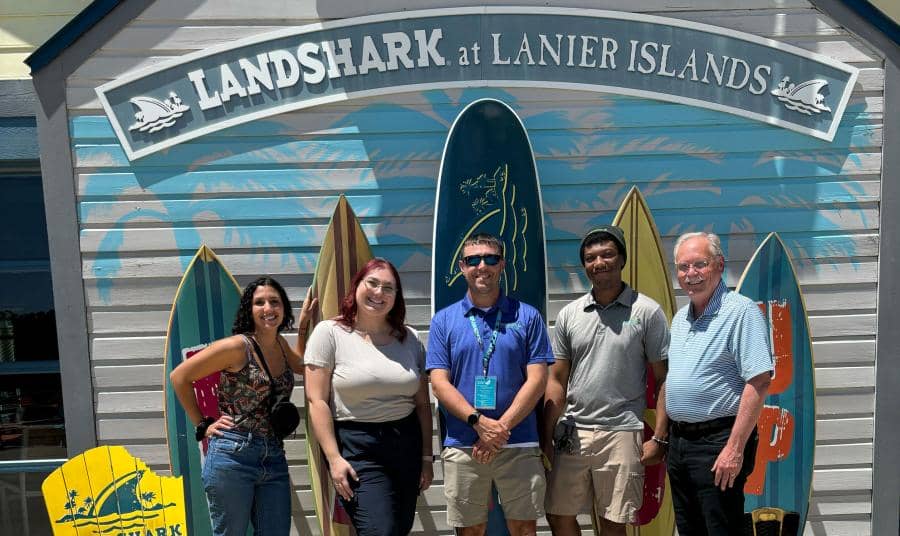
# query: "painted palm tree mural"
x,y
262,189
261,193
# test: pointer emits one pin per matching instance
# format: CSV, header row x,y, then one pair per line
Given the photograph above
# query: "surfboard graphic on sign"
x,y
344,251
646,271
203,311
777,492
488,183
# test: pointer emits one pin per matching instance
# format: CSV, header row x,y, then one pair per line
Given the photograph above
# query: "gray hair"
x,y
715,244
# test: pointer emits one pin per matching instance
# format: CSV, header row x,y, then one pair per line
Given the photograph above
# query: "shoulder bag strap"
x,y
262,358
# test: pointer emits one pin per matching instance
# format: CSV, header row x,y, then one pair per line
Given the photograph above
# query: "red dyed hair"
x,y
396,317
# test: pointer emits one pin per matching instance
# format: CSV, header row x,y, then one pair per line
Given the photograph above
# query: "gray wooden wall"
x,y
260,196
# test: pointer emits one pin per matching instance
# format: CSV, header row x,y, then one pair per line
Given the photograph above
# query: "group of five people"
x,y
556,426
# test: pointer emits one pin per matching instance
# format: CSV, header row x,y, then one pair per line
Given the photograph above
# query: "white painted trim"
x,y
584,13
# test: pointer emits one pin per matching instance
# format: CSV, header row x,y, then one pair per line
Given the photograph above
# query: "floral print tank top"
x,y
246,392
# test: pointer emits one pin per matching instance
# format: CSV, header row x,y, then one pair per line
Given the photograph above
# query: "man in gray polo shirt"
x,y
595,398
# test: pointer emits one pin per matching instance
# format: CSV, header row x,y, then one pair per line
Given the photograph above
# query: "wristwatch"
x,y
472,420
200,430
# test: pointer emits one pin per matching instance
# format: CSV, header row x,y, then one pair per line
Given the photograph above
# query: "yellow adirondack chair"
x,y
107,491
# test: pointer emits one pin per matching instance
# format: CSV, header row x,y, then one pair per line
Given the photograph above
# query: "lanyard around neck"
x,y
486,353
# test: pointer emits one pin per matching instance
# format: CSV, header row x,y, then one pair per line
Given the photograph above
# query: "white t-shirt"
x,y
369,383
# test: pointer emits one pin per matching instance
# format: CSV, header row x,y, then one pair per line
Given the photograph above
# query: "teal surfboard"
x,y
203,311
488,183
777,492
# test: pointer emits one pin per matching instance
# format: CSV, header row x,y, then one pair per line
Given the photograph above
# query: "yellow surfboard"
x,y
106,490
344,251
646,270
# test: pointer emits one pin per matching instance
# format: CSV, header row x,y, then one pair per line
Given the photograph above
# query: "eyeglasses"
x,y
697,265
474,260
374,284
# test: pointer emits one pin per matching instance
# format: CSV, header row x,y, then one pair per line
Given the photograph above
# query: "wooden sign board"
x,y
106,490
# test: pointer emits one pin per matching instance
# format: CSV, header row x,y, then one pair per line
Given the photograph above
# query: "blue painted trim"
x,y
48,366
18,122
30,466
876,18
20,138
69,33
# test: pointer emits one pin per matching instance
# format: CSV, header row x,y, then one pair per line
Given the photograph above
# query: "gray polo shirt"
x,y
609,348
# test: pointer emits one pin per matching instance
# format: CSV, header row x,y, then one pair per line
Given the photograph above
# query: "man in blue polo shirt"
x,y
719,372
487,357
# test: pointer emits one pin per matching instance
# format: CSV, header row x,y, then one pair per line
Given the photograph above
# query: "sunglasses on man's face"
x,y
474,260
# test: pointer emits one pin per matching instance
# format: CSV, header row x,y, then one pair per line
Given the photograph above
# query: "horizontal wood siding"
x,y
260,195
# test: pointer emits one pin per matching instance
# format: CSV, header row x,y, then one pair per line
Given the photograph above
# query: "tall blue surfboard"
x,y
777,492
488,183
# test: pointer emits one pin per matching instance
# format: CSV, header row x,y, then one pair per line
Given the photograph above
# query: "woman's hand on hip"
x,y
223,424
343,476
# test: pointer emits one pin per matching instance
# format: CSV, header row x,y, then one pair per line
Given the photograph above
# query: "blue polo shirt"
x,y
522,341
712,357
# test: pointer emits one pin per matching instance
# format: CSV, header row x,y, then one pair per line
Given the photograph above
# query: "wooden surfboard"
x,y
488,183
344,251
646,270
203,311
777,492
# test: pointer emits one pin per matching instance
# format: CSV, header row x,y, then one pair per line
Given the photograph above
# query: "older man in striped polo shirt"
x,y
719,371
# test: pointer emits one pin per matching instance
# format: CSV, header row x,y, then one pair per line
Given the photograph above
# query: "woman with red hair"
x,y
367,394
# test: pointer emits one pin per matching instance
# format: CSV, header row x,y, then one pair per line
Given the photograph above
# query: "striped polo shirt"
x,y
712,357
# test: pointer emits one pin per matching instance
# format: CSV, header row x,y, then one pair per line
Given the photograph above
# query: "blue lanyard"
x,y
486,353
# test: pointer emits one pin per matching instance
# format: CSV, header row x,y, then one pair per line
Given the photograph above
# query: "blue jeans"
x,y
246,481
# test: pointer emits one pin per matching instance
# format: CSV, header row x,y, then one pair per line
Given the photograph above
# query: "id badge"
x,y
485,392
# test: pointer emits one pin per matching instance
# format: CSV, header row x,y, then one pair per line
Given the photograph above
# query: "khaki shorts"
x,y
605,472
517,473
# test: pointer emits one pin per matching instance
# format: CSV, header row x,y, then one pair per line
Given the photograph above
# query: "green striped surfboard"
x,y
203,311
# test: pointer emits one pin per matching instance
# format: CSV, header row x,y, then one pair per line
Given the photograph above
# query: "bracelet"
x,y
200,429
659,441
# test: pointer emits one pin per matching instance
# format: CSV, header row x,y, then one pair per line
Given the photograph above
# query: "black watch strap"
x,y
200,430
472,420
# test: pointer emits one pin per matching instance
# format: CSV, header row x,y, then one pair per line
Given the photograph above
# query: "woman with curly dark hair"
x,y
245,473
367,395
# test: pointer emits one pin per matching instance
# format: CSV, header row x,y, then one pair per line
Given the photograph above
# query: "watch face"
x,y
473,418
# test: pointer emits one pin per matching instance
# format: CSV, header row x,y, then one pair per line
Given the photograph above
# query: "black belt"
x,y
697,429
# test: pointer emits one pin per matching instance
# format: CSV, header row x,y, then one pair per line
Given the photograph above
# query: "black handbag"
x,y
284,417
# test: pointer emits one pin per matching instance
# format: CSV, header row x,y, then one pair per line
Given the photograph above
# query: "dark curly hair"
x,y
243,320
397,315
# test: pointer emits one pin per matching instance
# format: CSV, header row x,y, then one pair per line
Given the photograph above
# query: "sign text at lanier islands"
x,y
630,54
